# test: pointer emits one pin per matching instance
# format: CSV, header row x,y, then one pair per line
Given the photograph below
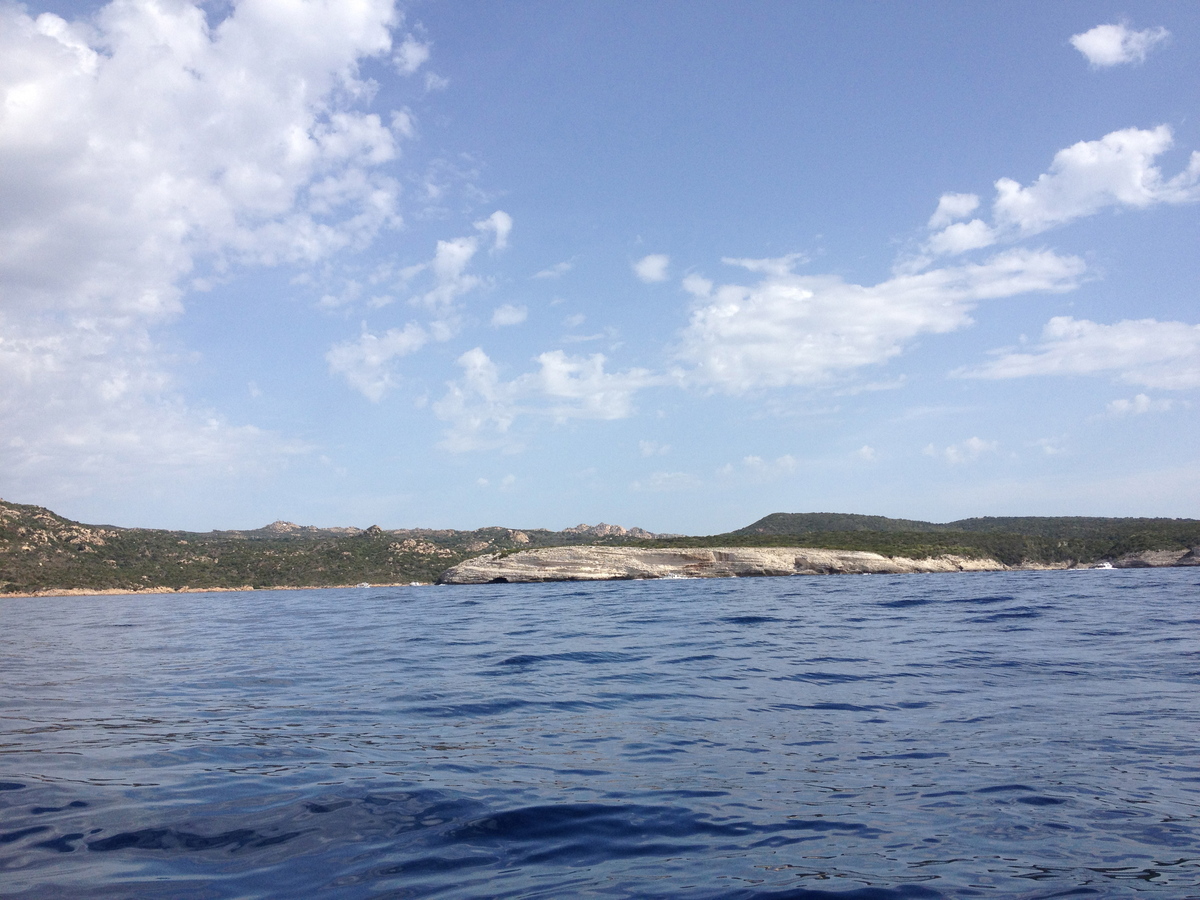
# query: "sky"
x,y
669,265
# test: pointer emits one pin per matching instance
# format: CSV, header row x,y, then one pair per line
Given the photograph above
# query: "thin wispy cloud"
x,y
1144,352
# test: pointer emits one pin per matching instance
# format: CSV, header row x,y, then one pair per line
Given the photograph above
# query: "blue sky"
x,y
533,264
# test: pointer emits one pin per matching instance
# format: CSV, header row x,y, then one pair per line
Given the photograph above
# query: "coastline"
x,y
107,592
599,563
630,563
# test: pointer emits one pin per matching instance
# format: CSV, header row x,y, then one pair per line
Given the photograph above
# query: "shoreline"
x,y
628,563
118,592
599,563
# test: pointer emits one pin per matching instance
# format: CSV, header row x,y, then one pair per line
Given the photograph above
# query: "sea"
x,y
1002,734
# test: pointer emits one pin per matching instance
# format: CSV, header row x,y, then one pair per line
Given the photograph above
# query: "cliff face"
x,y
616,563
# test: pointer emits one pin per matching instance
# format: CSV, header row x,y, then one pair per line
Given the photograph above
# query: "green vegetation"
x,y
1012,541
40,550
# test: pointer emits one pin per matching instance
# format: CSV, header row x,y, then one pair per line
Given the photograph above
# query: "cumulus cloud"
x,y
448,268
952,207
1112,45
652,268
480,406
1144,352
961,237
792,330
411,55
499,224
365,363
653,448
142,146
509,315
1118,170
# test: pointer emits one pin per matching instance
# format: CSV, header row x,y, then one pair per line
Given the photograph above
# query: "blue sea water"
x,y
1026,735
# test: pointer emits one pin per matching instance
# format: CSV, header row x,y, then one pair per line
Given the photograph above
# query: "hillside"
x,y
1011,540
1058,527
40,550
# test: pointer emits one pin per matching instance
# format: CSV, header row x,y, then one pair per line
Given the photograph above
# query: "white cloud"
x,y
791,330
481,407
1050,446
137,148
1143,352
500,225
1138,405
961,237
365,364
952,207
556,271
411,55
105,417
652,268
653,448
509,315
966,451
448,269
1116,170
1111,45
866,452
697,286
778,266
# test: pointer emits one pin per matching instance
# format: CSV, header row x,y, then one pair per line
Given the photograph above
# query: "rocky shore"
x,y
621,563
614,563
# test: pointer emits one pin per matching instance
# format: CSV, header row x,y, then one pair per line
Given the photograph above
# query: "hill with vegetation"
x,y
43,551
1016,540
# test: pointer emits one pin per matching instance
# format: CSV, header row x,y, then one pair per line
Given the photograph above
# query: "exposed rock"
x,y
1191,558
291,529
281,527
1153,559
606,530
615,563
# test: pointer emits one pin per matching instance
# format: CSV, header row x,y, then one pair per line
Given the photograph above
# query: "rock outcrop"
x,y
619,563
1154,559
606,530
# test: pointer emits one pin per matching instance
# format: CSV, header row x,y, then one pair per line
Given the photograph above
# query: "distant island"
x,y
42,552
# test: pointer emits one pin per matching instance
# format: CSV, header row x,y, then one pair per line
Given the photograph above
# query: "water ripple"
x,y
1025,735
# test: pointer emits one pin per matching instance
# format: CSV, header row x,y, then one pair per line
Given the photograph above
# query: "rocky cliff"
x,y
615,563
